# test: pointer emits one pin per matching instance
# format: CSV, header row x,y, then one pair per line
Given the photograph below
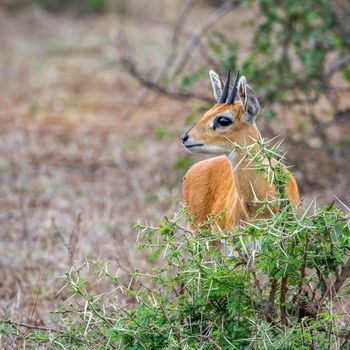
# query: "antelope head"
x,y
230,120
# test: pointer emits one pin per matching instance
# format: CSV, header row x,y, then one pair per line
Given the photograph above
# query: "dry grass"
x,y
76,170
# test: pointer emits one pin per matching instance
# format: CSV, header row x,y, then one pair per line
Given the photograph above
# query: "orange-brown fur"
x,y
212,187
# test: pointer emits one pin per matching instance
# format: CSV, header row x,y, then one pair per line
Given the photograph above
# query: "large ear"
x,y
251,106
216,84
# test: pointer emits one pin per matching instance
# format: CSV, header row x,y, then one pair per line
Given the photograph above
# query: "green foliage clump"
x,y
274,283
296,38
296,49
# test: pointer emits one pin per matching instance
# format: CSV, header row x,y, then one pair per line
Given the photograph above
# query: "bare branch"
x,y
212,342
196,39
271,302
184,14
28,326
343,276
42,328
283,299
342,62
302,276
339,117
152,85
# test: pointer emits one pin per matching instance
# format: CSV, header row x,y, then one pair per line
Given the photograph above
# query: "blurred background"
x,y
96,93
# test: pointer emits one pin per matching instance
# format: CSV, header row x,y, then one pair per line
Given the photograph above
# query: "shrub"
x,y
275,283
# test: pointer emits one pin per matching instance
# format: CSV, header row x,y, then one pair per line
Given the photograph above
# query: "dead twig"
x,y
341,279
41,328
130,66
73,238
212,342
28,326
144,95
37,296
156,84
336,66
283,298
184,14
339,117
270,307
196,38
302,276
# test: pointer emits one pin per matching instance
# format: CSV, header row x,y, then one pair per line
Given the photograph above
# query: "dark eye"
x,y
222,121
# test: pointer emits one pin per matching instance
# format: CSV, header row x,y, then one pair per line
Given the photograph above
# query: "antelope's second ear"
x,y
251,106
216,84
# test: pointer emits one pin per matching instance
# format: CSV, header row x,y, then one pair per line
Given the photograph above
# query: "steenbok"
x,y
227,186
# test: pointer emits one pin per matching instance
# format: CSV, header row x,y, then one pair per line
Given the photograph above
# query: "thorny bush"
x,y
275,283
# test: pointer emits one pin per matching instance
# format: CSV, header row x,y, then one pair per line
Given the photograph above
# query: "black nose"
x,y
184,137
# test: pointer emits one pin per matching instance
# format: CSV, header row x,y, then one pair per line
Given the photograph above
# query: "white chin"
x,y
206,149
